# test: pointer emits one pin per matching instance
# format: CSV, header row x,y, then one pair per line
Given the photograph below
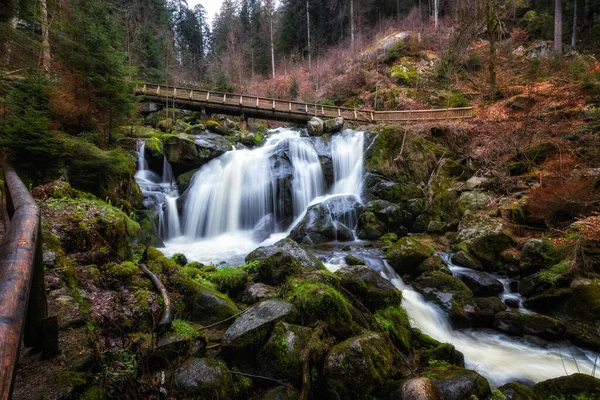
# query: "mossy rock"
x,y
370,288
179,259
389,239
184,180
206,378
442,354
281,357
469,202
433,263
317,301
307,260
230,280
369,227
281,393
351,260
450,293
405,74
356,366
548,299
537,254
275,269
488,307
517,391
394,320
527,324
456,383
580,313
408,253
484,238
572,387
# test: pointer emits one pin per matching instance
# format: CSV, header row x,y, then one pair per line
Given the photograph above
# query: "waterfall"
x,y
348,166
237,190
159,192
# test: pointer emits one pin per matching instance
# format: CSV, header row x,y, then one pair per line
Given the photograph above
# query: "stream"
x,y
253,197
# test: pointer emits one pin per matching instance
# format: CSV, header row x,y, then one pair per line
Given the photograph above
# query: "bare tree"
x,y
352,23
436,13
308,32
574,36
45,59
558,47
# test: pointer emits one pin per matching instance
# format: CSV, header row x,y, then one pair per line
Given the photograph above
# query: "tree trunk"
x,y
45,59
308,31
436,13
491,28
352,24
272,45
558,48
574,36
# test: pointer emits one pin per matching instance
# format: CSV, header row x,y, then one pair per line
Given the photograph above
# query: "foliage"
x,y
538,25
185,330
394,52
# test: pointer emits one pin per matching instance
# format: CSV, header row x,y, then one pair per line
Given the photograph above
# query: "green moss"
x,y
74,379
179,259
124,271
408,253
443,353
316,301
184,180
394,321
94,393
517,391
230,280
185,330
572,387
212,125
405,74
276,268
389,238
445,374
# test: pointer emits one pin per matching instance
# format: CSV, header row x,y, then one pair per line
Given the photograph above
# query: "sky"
x,y
211,6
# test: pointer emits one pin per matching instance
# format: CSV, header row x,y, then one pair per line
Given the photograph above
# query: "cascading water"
x,y
498,357
160,193
348,167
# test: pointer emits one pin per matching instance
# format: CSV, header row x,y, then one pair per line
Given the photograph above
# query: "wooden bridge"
x,y
247,106
23,307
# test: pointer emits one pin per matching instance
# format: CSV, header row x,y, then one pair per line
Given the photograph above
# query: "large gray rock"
x,y
187,152
525,324
480,283
333,125
206,378
307,259
251,329
332,220
149,108
315,126
256,292
210,306
369,287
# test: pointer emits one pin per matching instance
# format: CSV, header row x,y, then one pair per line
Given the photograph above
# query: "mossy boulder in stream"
x,y
184,180
394,321
356,366
580,313
485,238
369,287
276,268
188,152
307,260
419,389
517,391
572,387
281,356
526,324
408,253
456,383
450,293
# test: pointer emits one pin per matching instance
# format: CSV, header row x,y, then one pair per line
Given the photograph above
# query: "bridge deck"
x,y
284,110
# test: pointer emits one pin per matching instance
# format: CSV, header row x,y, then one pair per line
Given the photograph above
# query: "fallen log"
x,y
167,316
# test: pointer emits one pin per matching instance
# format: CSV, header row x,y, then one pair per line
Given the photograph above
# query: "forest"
x,y
300,199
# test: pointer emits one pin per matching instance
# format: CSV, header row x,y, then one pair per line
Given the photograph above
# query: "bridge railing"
x,y
300,108
23,308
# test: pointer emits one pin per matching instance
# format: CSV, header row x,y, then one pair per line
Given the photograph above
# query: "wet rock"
x,y
187,152
488,308
149,108
436,227
369,287
450,293
49,258
464,259
252,328
456,383
315,126
485,238
263,228
356,366
207,378
480,283
256,292
179,259
419,389
210,306
333,125
379,218
369,227
397,324
307,259
580,313
332,220
548,299
281,357
281,393
469,202
517,391
184,180
408,253
513,303
443,352
537,254
569,386
351,260
276,268
526,324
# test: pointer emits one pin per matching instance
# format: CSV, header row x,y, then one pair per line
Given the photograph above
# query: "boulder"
x,y
188,152
276,268
527,324
450,293
333,125
256,292
281,393
281,357
204,378
442,353
537,254
464,259
408,253
184,180
456,383
548,299
315,126
480,283
263,229
251,330
485,238
154,154
576,386
356,366
307,259
517,391
351,260
368,286
209,306
149,108
419,389
332,220
475,182
469,202
379,218
488,308
369,227
580,313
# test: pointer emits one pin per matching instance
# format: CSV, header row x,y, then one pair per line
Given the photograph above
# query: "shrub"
x,y
473,63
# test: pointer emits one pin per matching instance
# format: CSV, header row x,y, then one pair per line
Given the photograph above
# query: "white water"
x,y
498,357
348,164
161,192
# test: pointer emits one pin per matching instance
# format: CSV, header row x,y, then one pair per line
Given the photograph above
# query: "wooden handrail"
x,y
22,296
